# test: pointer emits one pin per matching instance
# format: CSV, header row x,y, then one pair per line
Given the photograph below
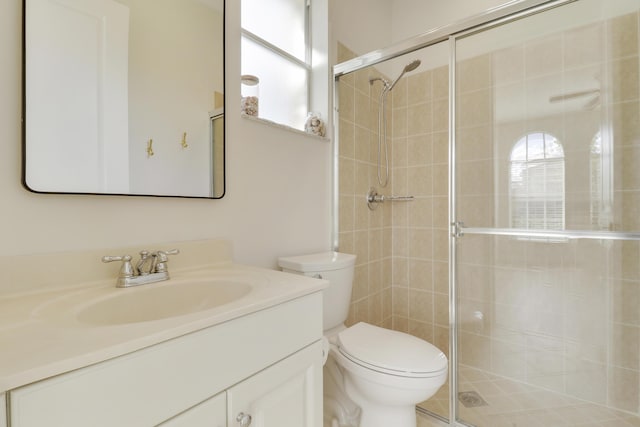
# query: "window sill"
x,y
284,127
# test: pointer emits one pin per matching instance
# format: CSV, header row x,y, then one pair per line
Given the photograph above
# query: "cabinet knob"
x,y
244,419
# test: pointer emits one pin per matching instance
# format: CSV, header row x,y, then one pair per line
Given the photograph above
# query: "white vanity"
x,y
254,359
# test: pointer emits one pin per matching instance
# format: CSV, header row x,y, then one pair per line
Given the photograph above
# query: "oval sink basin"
x,y
155,302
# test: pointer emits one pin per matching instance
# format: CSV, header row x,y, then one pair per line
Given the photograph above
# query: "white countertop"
x,y
40,335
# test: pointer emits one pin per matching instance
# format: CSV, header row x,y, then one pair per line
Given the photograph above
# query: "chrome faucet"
x,y
151,268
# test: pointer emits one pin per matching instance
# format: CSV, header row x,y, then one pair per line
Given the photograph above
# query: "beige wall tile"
x,y
441,277
623,389
625,346
400,324
475,143
440,115
441,212
626,123
475,350
421,149
584,46
400,302
362,111
624,79
441,339
628,162
622,35
347,176
529,310
420,211
423,330
421,306
420,181
362,144
419,87
508,359
474,108
420,274
586,380
420,243
544,56
399,124
440,180
440,82
375,309
399,94
625,300
474,73
419,119
347,139
508,65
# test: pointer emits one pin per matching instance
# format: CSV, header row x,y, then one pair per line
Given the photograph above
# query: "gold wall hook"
x,y
150,147
184,140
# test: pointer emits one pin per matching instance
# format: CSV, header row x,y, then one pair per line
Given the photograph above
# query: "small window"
x,y
537,183
276,49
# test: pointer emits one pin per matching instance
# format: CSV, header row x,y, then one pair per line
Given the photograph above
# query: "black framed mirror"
x,y
124,97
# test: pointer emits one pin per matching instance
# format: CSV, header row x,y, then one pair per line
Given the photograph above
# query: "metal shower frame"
x,y
511,11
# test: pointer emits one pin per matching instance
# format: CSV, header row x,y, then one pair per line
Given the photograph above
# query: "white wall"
x,y
278,184
362,25
413,17
368,25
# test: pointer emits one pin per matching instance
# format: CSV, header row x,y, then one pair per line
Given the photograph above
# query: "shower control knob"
x,y
243,419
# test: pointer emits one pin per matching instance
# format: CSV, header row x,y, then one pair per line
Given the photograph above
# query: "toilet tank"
x,y
337,268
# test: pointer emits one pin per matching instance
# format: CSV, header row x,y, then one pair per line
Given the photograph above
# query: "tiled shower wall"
x,y
560,315
401,279
363,232
420,232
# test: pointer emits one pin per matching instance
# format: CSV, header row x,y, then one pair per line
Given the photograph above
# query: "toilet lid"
x,y
391,352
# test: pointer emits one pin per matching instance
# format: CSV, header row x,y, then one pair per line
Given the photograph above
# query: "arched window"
x,y
537,182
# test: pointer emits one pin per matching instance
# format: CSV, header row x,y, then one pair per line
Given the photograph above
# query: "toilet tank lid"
x,y
324,261
391,351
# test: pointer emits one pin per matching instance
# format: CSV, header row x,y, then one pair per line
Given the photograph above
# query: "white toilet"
x,y
374,377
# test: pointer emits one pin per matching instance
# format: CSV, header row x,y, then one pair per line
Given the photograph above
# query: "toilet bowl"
x,y
374,376
386,373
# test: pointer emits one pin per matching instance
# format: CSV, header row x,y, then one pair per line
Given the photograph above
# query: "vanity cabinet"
x,y
267,364
210,413
284,395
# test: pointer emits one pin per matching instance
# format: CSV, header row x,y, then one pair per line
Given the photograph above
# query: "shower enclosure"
x,y
515,245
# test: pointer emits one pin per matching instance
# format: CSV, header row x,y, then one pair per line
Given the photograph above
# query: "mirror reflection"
x,y
124,97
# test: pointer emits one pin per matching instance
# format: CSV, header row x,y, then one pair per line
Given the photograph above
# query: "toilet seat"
x,y
391,352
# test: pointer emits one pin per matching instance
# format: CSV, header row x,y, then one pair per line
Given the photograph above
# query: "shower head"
x,y
409,67
412,65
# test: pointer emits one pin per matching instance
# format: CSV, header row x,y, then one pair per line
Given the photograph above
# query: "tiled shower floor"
x,y
513,404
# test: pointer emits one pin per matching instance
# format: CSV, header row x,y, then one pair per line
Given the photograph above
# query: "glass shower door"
x,y
546,195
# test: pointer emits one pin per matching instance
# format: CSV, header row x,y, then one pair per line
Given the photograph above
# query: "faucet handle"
x,y
162,257
127,269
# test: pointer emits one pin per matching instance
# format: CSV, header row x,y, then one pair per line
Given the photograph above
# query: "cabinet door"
x,y
287,394
210,413
3,413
